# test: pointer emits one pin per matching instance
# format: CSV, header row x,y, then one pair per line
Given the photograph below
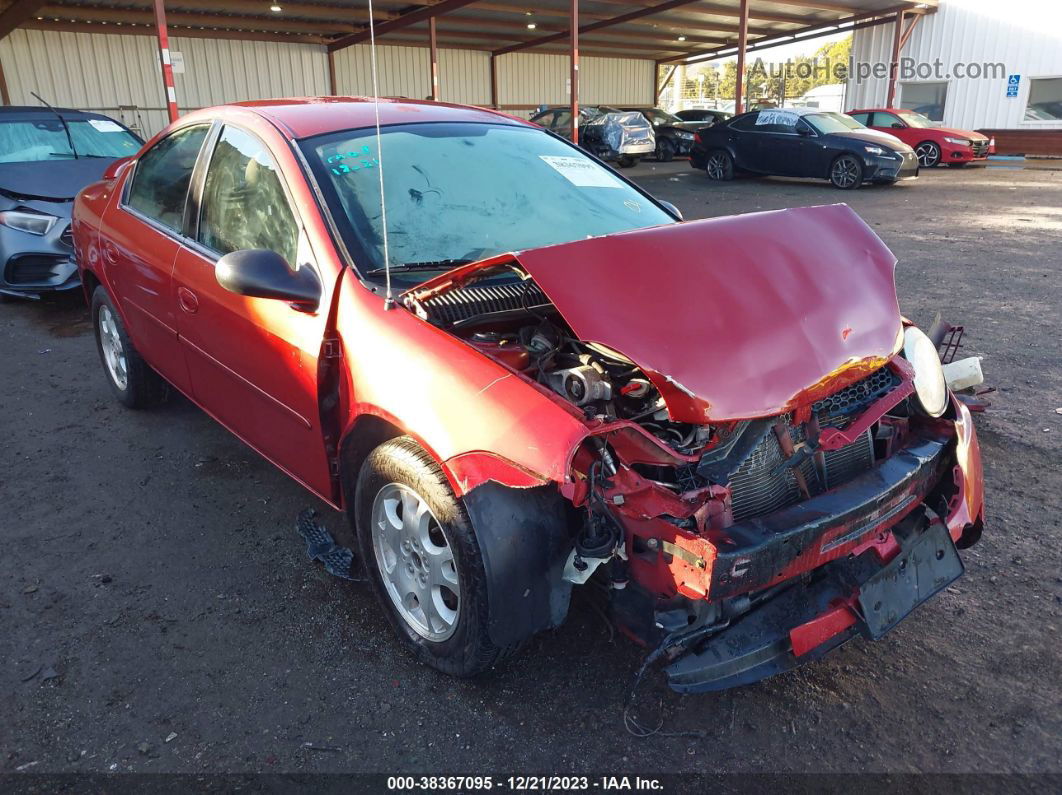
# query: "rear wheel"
x,y
132,380
627,161
423,560
665,150
928,154
719,165
846,172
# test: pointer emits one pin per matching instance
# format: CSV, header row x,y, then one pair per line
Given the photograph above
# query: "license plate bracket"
x,y
925,567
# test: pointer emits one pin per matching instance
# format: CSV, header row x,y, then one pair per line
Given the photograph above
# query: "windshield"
x,y
827,123
45,139
461,191
913,119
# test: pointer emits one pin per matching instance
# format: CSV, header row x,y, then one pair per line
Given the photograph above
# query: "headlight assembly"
x,y
931,390
958,141
34,223
875,150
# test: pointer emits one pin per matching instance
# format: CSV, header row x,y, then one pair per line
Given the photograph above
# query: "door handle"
x,y
187,300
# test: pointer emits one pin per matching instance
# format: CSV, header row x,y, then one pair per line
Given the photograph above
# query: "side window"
x,y
163,172
562,120
804,128
746,122
862,118
244,205
886,119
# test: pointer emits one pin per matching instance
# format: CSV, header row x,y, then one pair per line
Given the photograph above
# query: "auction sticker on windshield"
x,y
106,125
581,173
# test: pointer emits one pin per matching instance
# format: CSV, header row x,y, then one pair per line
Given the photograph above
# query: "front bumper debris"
x,y
848,597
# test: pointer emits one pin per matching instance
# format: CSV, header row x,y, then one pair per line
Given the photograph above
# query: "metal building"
x,y
974,64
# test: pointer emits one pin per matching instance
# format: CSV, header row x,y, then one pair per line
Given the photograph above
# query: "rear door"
x,y
252,361
743,139
139,240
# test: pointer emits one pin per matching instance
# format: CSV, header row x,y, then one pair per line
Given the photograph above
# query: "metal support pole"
x,y
332,74
494,81
575,71
894,64
433,46
164,60
743,40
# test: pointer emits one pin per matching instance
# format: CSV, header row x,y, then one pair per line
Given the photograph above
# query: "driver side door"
x,y
252,361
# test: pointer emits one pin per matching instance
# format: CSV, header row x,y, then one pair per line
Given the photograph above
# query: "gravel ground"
x,y
159,614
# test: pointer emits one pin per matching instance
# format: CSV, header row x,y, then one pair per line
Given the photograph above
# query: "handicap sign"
x,y
1012,85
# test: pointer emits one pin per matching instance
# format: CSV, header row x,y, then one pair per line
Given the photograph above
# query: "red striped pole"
x,y
164,59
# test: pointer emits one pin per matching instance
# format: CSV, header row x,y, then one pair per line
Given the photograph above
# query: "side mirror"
x,y
675,211
804,131
115,168
259,273
898,125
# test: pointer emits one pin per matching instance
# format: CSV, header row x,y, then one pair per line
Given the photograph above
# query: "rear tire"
x,y
719,165
846,172
131,379
627,161
424,561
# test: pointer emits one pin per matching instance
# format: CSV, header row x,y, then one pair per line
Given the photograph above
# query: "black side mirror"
x,y
805,131
259,273
675,211
898,125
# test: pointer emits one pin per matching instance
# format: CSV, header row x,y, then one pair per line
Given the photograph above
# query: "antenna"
x,y
62,121
389,299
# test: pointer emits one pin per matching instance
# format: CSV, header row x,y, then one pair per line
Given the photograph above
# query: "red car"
x,y
932,143
726,424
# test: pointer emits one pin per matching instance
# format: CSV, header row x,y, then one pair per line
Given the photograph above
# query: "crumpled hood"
x,y
731,318
58,180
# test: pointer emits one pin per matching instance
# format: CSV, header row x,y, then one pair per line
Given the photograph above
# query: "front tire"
x,y
846,172
423,560
665,151
719,165
131,379
928,154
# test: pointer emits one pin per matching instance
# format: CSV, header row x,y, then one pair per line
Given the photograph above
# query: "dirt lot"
x,y
151,583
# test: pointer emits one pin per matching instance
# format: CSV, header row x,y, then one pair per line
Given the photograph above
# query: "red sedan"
x,y
518,373
932,143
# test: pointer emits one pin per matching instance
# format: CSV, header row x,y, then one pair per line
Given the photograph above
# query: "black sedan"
x,y
803,142
46,156
673,136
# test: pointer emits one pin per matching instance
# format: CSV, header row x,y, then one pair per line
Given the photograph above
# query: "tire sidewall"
x,y
101,299
936,147
728,171
382,468
859,166
665,151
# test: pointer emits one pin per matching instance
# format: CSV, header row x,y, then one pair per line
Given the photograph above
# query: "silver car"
x,y
46,156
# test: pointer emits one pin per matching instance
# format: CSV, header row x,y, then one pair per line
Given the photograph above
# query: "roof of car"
x,y
304,117
876,110
27,112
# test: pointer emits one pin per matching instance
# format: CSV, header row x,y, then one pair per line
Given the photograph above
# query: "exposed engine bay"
x,y
699,527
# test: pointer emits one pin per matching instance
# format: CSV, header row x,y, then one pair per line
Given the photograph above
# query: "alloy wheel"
x,y
716,166
845,172
928,154
416,563
111,345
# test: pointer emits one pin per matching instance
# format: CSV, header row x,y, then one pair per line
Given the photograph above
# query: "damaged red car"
x,y
519,373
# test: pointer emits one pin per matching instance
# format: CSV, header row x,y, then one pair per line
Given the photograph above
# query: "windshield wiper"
x,y
434,265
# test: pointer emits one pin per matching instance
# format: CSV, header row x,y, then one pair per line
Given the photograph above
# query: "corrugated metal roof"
x,y
680,28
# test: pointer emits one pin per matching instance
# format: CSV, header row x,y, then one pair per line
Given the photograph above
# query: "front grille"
x,y
760,486
980,148
465,302
32,269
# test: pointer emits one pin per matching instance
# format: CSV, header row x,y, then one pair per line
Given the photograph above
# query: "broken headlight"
x,y
930,387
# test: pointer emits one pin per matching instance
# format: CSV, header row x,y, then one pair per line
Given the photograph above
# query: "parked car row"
x,y
863,146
